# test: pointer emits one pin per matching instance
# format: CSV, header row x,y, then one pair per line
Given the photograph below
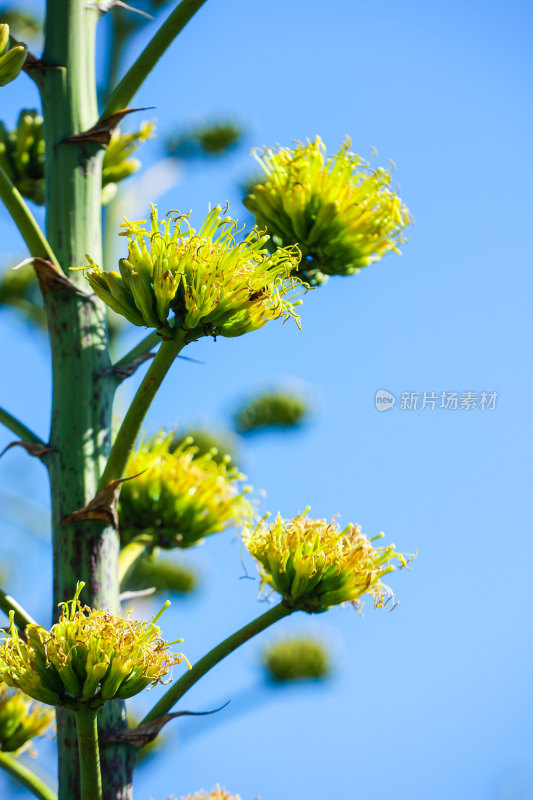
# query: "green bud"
x,y
4,36
11,63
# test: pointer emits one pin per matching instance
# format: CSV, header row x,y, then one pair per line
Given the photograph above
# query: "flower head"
x,y
281,408
296,658
21,719
117,163
180,496
89,656
342,213
314,564
212,284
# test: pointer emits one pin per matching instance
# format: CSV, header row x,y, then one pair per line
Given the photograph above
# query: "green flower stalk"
x,y
211,284
21,719
314,564
342,213
89,656
179,496
12,60
296,658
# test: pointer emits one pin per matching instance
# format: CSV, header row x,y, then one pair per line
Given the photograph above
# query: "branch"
x,y
141,349
139,71
132,422
211,659
26,777
22,618
25,221
19,428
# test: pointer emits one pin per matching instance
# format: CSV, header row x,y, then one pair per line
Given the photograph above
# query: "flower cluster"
x,y
314,564
117,163
179,497
22,154
89,656
341,212
21,719
215,794
282,409
296,658
212,284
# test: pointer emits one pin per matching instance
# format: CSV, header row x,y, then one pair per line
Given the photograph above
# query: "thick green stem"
x,y
25,776
211,659
82,390
19,428
24,220
141,68
132,422
91,777
131,553
8,603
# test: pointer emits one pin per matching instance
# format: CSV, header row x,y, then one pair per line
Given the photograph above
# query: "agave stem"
x,y
211,659
141,68
132,422
91,777
19,428
25,776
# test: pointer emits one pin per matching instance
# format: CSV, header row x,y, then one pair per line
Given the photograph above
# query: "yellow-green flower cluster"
x,y
22,154
314,564
212,284
21,719
272,409
12,60
216,794
342,213
179,496
117,163
296,658
89,656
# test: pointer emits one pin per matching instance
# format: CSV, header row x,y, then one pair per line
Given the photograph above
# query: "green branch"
x,y
19,428
132,422
26,777
24,220
91,776
8,603
123,93
144,346
211,659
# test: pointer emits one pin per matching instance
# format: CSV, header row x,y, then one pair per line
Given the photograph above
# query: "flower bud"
x,y
12,61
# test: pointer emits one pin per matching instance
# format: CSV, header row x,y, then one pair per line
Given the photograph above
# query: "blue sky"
x,y
434,700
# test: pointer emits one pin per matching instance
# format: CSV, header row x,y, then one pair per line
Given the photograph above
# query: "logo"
x,y
384,400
